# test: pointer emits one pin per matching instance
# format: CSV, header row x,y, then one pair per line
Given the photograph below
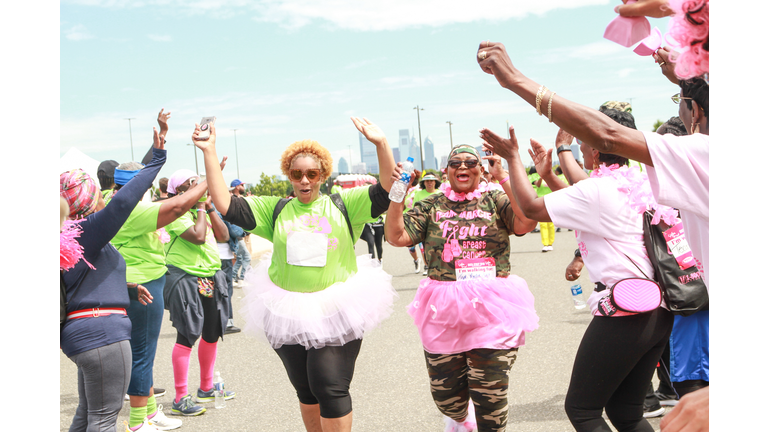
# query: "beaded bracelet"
x,y
549,107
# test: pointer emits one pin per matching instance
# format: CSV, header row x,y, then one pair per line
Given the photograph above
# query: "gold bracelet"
x,y
539,96
549,107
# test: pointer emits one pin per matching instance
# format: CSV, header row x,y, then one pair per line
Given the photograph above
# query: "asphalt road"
x,y
390,391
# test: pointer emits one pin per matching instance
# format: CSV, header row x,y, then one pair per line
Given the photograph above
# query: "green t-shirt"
x,y
139,244
319,217
198,260
336,189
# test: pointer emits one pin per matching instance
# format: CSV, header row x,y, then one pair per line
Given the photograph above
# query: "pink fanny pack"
x,y
631,296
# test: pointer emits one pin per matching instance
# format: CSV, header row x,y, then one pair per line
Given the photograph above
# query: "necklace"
x,y
463,196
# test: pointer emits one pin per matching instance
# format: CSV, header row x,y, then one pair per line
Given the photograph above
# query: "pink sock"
x,y
180,360
206,355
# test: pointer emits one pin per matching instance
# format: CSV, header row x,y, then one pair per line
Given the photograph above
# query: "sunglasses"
x,y
469,163
312,174
676,98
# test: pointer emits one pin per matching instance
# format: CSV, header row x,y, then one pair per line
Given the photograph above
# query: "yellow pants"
x,y
547,233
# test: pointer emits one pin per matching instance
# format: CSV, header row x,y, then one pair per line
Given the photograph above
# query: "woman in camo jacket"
x,y
471,314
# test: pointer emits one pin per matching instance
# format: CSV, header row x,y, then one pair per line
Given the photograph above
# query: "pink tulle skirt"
x,y
454,317
332,317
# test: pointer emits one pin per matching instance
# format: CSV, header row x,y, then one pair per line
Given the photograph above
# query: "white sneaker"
x,y
144,427
163,423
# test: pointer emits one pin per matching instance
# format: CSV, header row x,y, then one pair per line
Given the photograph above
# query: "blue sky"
x,y
281,71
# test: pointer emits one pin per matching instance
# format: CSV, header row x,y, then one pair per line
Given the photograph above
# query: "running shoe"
x,y
186,407
416,266
144,427
666,399
653,410
205,397
163,423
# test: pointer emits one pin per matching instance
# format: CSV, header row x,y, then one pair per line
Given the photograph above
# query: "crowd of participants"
x,y
126,259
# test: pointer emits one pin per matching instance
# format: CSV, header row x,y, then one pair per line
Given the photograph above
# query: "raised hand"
x,y
162,120
563,138
542,158
371,132
649,8
494,167
503,147
158,140
201,143
662,57
223,162
493,59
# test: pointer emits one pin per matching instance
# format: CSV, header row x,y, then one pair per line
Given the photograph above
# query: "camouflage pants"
x,y
483,375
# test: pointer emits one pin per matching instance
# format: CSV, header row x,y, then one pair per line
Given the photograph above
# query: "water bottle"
x,y
218,391
578,296
400,187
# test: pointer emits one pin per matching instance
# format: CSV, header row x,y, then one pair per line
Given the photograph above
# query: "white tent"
x,y
74,158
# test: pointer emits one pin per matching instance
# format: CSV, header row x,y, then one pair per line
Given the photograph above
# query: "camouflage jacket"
x,y
461,230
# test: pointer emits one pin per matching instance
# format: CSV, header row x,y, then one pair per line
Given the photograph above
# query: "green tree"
x,y
271,186
657,124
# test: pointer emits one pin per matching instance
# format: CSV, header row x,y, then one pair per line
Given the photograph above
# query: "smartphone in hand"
x,y
205,127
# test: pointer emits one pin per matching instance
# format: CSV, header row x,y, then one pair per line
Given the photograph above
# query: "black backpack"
x,y
335,198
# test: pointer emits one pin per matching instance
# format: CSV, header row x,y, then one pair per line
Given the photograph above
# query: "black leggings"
x,y
373,235
322,375
613,366
211,324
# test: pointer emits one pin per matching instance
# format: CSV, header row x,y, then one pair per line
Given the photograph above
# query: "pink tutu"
x,y
332,317
454,317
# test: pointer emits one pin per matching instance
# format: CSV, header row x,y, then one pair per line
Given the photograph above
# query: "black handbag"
x,y
684,290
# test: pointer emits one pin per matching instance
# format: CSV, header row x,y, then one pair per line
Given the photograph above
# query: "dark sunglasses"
x,y
312,174
469,163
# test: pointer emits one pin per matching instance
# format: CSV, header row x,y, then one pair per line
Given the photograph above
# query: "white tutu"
x,y
332,317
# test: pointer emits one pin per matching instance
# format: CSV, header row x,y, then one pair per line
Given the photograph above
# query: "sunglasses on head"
x,y
312,174
469,163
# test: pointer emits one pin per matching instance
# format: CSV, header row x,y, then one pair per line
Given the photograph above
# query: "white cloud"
x,y
160,38
78,33
352,15
623,73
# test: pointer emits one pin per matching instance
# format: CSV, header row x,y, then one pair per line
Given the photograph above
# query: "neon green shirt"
x,y
322,217
198,260
139,244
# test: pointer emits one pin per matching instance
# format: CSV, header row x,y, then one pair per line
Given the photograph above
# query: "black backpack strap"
x,y
278,209
335,198
337,201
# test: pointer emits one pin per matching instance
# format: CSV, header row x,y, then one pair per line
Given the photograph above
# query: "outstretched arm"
x,y
383,152
521,224
217,188
394,226
542,158
587,124
174,207
570,167
532,205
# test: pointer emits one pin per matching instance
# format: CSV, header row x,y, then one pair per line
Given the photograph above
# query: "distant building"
x,y
443,162
343,166
429,154
415,153
396,154
403,145
368,154
359,168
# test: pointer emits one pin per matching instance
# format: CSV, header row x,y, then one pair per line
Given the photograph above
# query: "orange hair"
x,y
307,148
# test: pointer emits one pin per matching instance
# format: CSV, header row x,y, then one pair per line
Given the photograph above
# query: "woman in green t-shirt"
x,y
313,292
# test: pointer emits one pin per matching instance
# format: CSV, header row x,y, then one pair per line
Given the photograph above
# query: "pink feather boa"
x,y
634,183
468,196
70,251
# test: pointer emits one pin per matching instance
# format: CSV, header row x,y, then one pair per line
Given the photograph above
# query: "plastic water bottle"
x,y
400,187
218,391
578,296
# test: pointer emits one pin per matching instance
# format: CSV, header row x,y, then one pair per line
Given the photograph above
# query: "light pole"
x,y
349,167
237,159
451,133
194,149
421,152
130,133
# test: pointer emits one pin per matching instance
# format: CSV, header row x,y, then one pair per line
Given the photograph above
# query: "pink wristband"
x,y
506,179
